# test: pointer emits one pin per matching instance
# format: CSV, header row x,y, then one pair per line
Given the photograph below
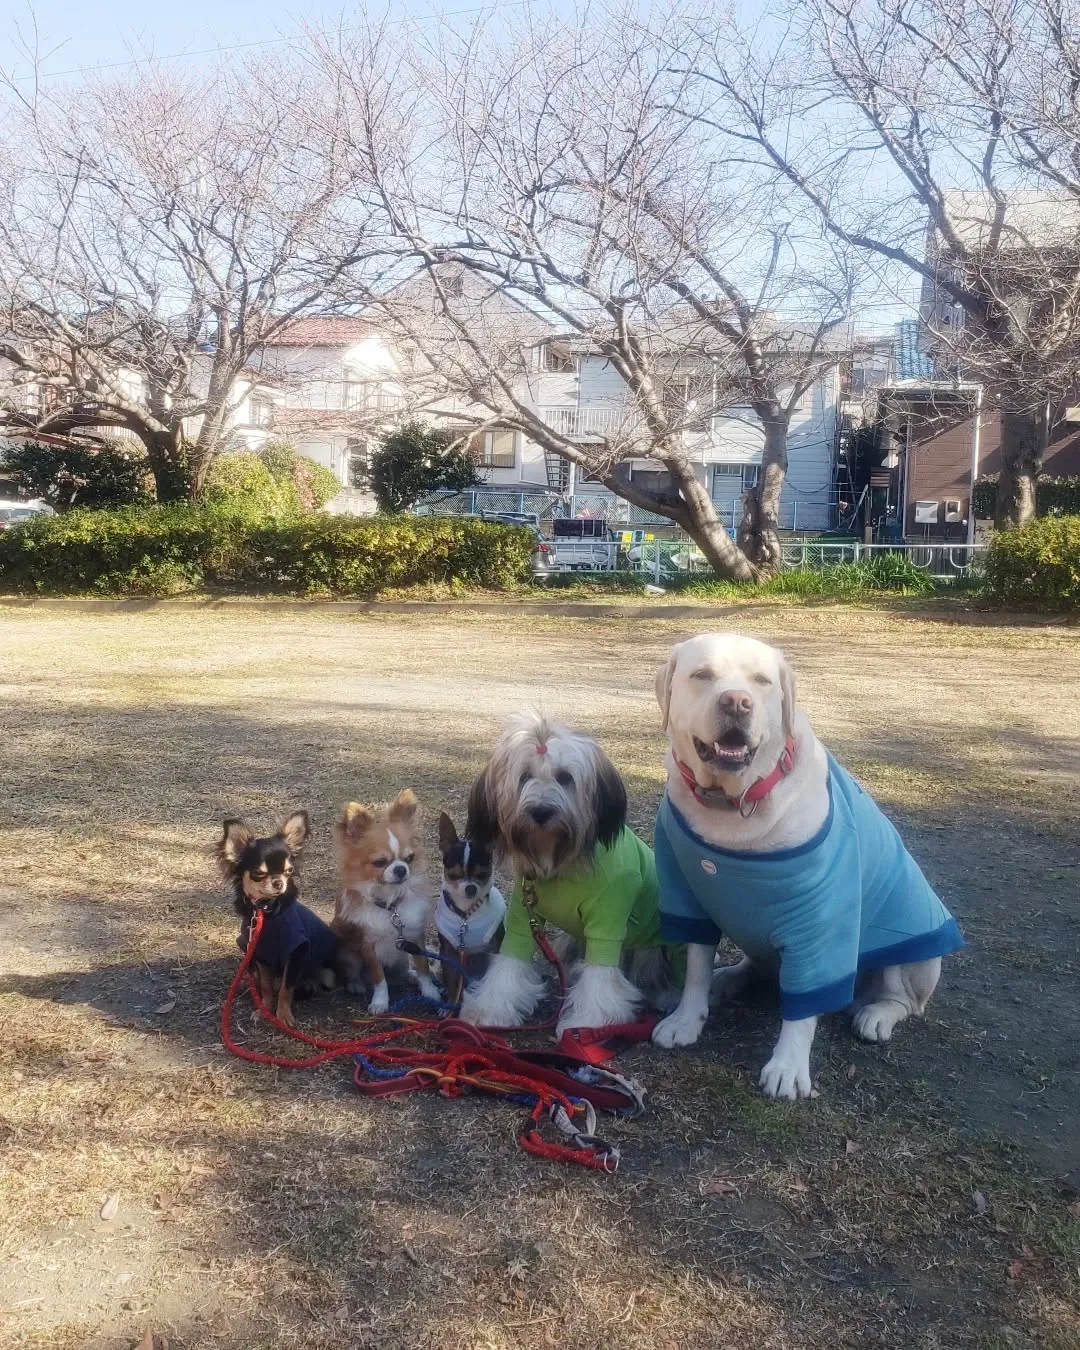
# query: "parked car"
x,y
16,513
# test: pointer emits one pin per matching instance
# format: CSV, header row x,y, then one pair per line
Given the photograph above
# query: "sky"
x,y
73,36
76,34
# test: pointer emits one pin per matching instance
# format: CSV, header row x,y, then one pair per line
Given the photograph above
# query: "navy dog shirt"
x,y
285,933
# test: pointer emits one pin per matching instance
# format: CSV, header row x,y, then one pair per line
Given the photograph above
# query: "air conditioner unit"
x,y
953,512
926,513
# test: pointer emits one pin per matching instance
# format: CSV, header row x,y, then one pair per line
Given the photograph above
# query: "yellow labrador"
x,y
763,837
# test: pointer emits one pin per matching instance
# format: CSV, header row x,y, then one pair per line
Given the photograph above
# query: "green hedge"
x,y
1037,565
167,550
1053,496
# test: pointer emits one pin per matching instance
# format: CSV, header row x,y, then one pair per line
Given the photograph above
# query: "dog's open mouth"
x,y
730,753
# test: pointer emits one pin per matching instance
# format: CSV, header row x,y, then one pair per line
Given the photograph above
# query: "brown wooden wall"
x,y
939,464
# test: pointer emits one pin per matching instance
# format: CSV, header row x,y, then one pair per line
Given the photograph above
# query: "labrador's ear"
x,y
787,692
448,835
482,826
664,675
610,807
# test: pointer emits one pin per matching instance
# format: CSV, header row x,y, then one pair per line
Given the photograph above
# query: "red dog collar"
x,y
760,788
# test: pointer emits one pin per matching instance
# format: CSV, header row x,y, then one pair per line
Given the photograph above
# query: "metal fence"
x,y
948,561
680,556
664,559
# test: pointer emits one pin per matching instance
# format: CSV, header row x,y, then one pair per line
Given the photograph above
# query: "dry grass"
x,y
259,1208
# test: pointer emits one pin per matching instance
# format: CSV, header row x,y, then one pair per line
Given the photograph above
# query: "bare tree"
x,y
548,165
155,233
942,139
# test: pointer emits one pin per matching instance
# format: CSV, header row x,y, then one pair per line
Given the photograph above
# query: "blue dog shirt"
x,y
284,933
850,899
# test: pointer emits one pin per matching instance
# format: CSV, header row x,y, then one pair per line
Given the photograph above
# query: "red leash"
x,y
564,1082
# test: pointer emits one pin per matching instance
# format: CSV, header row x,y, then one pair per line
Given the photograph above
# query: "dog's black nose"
x,y
470,889
541,814
400,871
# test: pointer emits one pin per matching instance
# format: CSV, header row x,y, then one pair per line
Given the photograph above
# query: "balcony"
x,y
357,397
592,424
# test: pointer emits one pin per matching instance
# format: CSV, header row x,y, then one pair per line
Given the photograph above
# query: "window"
x,y
356,463
356,393
730,481
260,411
557,358
688,400
656,481
494,449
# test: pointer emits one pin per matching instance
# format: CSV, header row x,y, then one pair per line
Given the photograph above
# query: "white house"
x,y
329,384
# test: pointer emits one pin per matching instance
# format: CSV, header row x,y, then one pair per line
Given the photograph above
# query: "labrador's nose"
x,y
736,703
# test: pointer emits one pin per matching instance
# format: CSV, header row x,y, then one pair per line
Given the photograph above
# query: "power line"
x,y
265,42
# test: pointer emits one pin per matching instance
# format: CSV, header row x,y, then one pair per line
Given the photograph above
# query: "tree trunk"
x,y
703,526
759,537
1024,437
167,452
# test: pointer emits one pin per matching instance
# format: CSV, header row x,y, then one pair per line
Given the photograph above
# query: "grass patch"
x,y
261,1208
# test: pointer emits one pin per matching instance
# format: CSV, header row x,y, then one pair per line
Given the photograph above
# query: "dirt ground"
x,y
928,1197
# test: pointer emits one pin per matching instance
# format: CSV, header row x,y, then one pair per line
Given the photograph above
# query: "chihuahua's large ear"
x,y
610,806
787,691
447,833
664,675
296,829
232,843
482,826
404,806
355,819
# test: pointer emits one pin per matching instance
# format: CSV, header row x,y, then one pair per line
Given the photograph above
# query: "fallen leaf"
x,y
1015,1270
147,1342
167,1006
718,1186
814,1094
851,1147
852,1072
110,1208
978,1201
1074,1209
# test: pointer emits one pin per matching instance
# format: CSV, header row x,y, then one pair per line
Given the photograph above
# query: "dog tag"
x,y
708,866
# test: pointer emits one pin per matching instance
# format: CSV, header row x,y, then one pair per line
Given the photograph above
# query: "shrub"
x,y
167,550
79,475
1037,565
274,484
241,481
312,483
1053,496
414,459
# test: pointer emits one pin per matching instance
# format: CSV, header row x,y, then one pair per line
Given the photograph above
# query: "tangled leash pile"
x,y
566,1084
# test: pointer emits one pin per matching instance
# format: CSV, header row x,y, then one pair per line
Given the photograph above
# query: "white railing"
x,y
574,422
355,398
940,560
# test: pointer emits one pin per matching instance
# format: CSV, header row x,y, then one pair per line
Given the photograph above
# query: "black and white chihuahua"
x,y
470,912
296,949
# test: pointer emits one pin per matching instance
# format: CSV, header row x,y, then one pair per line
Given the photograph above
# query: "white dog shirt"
x,y
475,931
